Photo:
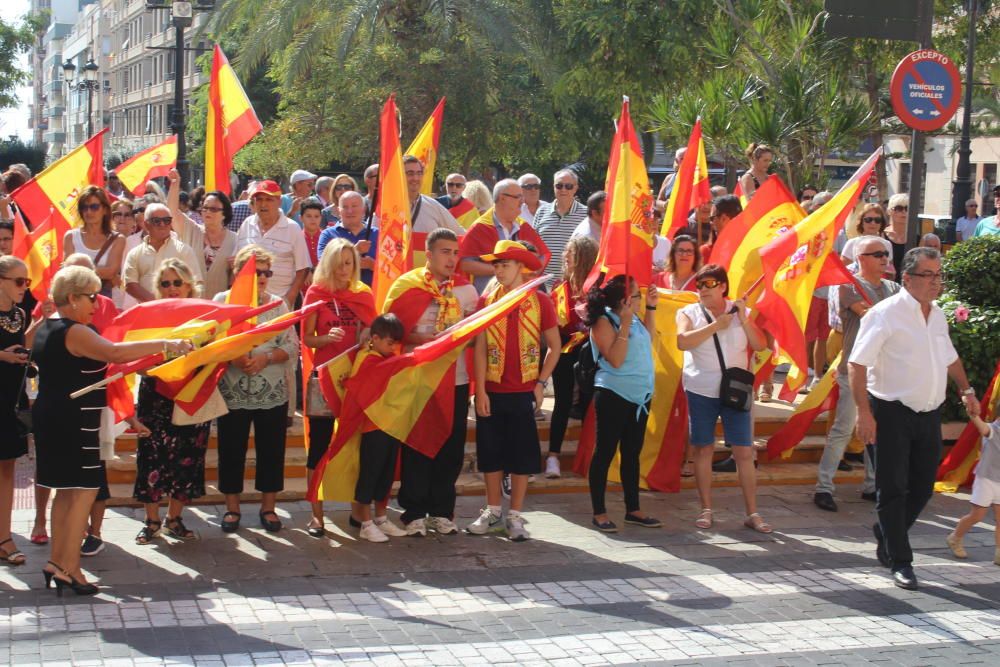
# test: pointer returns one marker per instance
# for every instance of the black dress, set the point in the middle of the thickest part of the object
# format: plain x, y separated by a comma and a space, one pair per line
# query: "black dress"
66, 429
13, 444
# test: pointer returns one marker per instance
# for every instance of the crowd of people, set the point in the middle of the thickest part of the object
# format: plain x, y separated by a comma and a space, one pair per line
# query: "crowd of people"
318, 243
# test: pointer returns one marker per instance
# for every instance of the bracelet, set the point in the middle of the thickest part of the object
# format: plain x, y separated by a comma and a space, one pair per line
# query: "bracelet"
650, 307
625, 338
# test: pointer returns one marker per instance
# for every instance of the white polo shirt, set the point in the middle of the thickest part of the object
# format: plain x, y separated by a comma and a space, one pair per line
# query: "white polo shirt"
143, 261
430, 215
907, 356
286, 242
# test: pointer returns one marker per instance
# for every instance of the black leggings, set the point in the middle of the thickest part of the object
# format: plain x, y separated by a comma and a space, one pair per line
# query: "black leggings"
269, 428
562, 382
617, 421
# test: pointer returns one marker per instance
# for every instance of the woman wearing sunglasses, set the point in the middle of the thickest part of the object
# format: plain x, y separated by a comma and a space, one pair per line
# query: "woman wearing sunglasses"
341, 183
899, 210
97, 239
715, 320
872, 221
170, 461
256, 394
70, 356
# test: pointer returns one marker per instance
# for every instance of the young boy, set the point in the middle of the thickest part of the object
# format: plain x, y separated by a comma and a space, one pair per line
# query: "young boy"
311, 214
379, 450
985, 490
510, 376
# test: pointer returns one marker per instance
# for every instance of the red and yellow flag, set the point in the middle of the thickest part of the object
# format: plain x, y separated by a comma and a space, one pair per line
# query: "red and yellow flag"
691, 184
465, 212
425, 146
155, 161
956, 468
820, 399
40, 249
231, 122
393, 257
60, 184
627, 232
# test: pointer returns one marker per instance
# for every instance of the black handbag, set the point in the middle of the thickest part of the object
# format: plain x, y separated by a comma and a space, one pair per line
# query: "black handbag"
736, 389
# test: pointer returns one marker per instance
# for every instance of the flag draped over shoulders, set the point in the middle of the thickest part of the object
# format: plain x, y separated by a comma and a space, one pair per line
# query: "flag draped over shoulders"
482, 238
411, 295
464, 212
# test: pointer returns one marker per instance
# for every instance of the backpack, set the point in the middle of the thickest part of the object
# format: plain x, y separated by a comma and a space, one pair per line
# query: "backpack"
585, 368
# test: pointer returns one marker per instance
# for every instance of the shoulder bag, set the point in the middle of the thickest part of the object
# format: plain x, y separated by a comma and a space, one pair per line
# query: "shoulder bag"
736, 389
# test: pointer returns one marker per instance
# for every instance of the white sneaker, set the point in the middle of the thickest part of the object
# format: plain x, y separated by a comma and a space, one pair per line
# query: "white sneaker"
372, 533
552, 468
442, 525
487, 522
389, 528
417, 527
515, 529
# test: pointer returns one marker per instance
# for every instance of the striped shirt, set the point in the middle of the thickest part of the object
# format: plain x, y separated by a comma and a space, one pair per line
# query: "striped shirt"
556, 230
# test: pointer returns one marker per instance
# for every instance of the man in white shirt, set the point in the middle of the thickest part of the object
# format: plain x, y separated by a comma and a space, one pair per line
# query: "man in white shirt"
965, 227
143, 261
531, 186
898, 371
269, 228
595, 214
426, 213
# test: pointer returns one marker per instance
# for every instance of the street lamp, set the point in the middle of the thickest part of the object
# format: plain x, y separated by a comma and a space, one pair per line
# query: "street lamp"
89, 83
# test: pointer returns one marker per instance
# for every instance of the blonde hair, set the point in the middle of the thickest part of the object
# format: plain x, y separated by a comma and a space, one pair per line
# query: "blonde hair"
183, 272
253, 251
10, 262
477, 192
79, 259
585, 251
755, 150
900, 199
72, 280
333, 259
334, 197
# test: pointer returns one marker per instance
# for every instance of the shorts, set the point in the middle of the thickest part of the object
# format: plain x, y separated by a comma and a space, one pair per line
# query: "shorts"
377, 460
818, 320
507, 440
704, 412
985, 492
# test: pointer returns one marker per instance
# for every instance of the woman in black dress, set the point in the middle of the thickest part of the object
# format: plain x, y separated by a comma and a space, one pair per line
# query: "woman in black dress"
71, 355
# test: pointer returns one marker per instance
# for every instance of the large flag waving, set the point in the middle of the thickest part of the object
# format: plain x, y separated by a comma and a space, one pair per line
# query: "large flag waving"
393, 257
60, 184
691, 184
627, 232
425, 146
956, 468
232, 122
155, 161
41, 249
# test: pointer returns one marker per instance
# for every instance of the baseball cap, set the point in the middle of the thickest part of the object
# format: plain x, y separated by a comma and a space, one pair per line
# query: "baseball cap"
302, 175
269, 188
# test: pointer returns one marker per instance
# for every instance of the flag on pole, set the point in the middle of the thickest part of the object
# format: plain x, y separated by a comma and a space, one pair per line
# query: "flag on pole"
425, 146
151, 163
627, 232
691, 184
821, 398
231, 122
956, 468
40, 249
59, 186
393, 257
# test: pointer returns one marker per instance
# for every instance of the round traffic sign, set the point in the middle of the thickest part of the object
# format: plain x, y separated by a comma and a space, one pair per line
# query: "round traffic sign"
925, 90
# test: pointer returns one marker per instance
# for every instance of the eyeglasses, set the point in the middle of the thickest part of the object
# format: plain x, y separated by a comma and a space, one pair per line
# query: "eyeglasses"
565, 186
507, 194
531, 186
878, 254
138, 211
20, 282
92, 297
929, 275
684, 251
869, 218
158, 222
343, 186
211, 209
91, 207
455, 185
709, 283
900, 209
266, 273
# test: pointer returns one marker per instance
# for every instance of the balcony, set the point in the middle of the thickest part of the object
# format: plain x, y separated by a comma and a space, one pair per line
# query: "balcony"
54, 137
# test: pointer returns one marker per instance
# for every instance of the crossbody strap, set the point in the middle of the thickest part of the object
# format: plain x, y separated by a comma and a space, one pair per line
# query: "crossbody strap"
715, 337
104, 248
613, 326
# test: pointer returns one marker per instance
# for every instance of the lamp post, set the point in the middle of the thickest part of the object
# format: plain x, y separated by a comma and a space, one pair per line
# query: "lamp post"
88, 83
962, 186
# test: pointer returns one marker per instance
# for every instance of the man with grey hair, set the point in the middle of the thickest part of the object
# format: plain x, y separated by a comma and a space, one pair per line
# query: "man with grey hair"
531, 187
965, 227
323, 186
501, 223
555, 222
143, 261
931, 240
353, 228
899, 369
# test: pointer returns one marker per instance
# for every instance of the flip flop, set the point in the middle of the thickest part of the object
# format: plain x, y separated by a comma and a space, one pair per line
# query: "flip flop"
40, 538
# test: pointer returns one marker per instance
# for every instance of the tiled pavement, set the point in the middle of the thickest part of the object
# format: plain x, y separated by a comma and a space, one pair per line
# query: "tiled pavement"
812, 593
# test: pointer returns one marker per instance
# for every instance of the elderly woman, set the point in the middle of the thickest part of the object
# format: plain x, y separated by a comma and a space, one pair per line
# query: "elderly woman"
170, 460
623, 350
480, 195
717, 333
683, 262
899, 209
329, 331
872, 221
213, 243
256, 393
97, 239
341, 183
70, 356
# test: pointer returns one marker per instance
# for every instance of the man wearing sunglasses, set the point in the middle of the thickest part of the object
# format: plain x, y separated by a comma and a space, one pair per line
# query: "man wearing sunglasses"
531, 187
143, 261
463, 210
556, 222
873, 260
965, 227
899, 369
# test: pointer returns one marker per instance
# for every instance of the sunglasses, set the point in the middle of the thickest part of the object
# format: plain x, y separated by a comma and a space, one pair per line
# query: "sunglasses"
900, 208
210, 209
709, 283
176, 282
868, 218
138, 211
878, 254
531, 186
158, 222
455, 185
91, 207
92, 297
343, 186
266, 273
20, 282
565, 186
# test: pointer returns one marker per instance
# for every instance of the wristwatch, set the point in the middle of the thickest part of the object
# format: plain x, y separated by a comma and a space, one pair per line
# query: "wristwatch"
968, 391
544, 383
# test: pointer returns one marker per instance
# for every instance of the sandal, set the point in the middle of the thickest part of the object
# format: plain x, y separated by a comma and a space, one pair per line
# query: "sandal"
175, 528
687, 470
766, 391
14, 557
230, 525
39, 538
149, 531
704, 520
315, 528
270, 525
756, 522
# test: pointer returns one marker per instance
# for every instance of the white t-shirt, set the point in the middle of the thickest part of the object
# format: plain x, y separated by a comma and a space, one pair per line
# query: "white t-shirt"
702, 372
966, 227
432, 215
288, 245
468, 298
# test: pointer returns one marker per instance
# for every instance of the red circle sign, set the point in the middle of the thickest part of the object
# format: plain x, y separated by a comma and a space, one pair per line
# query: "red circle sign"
925, 90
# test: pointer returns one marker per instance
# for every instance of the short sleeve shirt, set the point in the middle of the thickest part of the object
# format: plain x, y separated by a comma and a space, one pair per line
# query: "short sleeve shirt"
510, 380
285, 241
702, 372
143, 261
989, 455
556, 230
848, 295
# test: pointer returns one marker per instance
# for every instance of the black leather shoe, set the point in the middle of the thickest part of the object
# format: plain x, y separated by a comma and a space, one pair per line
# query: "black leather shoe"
880, 551
725, 465
825, 501
844, 466
904, 578
854, 458
870, 497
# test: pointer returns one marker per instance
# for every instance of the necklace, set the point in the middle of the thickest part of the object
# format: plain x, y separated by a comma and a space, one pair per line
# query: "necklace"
12, 321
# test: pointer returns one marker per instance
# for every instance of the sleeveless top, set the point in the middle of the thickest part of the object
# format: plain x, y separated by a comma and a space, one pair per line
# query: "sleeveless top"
633, 380
79, 246
60, 373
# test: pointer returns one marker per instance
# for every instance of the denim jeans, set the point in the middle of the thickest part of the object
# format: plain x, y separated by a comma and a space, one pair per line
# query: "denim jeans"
837, 440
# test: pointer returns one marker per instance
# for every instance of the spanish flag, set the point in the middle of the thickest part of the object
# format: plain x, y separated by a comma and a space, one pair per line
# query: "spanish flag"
562, 299
691, 184
465, 212
60, 184
393, 257
332, 376
231, 122
956, 468
821, 398
151, 163
425, 146
628, 234
40, 249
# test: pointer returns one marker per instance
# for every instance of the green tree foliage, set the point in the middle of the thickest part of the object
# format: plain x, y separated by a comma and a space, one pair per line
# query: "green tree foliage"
17, 151
15, 39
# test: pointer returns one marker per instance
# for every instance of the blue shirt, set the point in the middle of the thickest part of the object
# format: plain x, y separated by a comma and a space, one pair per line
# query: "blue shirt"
338, 231
633, 380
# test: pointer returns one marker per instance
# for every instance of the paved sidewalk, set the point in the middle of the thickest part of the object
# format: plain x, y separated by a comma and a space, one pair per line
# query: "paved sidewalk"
812, 593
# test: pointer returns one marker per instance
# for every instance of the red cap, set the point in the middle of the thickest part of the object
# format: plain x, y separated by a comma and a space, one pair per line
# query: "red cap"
269, 188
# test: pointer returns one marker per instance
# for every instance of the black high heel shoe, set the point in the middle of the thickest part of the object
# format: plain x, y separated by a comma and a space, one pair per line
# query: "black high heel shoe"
77, 587
48, 575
